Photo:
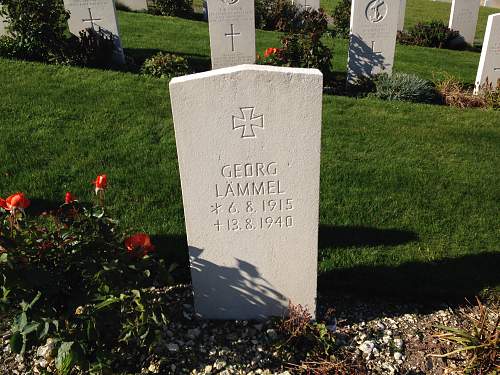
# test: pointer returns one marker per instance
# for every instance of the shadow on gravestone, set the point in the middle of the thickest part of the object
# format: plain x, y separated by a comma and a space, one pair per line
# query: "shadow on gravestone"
242, 287
367, 57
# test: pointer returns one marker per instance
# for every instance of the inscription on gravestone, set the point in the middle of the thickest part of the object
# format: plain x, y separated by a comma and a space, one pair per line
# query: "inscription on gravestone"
232, 32
249, 166
98, 15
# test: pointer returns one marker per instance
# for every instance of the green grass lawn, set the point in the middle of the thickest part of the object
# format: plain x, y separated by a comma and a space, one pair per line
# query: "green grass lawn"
409, 193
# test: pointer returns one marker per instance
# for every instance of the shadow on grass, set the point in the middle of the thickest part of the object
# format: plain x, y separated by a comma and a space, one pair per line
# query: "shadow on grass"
357, 236
448, 280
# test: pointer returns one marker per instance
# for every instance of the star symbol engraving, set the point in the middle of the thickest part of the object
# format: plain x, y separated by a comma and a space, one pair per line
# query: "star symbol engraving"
248, 122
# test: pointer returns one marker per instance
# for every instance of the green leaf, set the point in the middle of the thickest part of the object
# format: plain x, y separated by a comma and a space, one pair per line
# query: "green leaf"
106, 303
32, 327
16, 342
68, 355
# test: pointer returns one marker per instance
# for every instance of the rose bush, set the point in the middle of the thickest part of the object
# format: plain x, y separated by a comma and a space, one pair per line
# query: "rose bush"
72, 275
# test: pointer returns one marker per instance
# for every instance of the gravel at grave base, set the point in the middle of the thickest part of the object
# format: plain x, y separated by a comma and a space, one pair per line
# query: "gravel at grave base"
386, 339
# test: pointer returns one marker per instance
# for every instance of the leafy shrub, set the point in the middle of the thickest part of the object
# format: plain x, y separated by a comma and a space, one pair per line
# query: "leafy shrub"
280, 15
87, 290
165, 65
406, 87
36, 28
37, 31
454, 93
435, 34
341, 19
179, 8
302, 46
96, 48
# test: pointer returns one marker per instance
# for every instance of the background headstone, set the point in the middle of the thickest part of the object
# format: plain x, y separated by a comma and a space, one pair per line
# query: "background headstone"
373, 37
402, 13
205, 10
134, 5
463, 18
97, 15
307, 4
248, 144
489, 63
492, 3
232, 32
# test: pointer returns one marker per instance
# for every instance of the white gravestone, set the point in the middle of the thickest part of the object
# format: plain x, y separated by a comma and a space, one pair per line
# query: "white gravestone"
96, 15
489, 63
134, 5
248, 142
307, 4
372, 38
463, 18
492, 3
402, 13
232, 32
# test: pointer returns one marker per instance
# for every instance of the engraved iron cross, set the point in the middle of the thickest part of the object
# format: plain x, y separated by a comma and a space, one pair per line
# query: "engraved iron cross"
248, 122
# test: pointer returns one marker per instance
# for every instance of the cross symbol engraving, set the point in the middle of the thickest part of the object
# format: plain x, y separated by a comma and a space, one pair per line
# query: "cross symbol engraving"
373, 48
306, 6
218, 225
232, 35
91, 19
248, 122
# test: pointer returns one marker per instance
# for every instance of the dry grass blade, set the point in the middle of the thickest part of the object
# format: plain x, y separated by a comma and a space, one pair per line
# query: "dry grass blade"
478, 343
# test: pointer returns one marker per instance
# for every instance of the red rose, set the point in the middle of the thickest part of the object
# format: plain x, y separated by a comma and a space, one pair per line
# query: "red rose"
139, 244
101, 182
69, 198
16, 201
270, 51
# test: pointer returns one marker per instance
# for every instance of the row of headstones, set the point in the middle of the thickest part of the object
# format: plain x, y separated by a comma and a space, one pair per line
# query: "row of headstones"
374, 26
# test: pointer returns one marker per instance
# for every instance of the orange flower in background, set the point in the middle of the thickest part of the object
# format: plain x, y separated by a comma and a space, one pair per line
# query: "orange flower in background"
16, 201
139, 244
69, 198
101, 182
270, 51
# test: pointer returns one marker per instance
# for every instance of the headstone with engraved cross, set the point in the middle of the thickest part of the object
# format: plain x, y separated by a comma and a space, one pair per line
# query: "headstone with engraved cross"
248, 144
307, 4
489, 63
232, 32
372, 38
98, 15
463, 18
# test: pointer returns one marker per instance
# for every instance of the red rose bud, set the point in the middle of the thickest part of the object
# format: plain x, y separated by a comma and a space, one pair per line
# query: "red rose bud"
139, 244
100, 182
69, 198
